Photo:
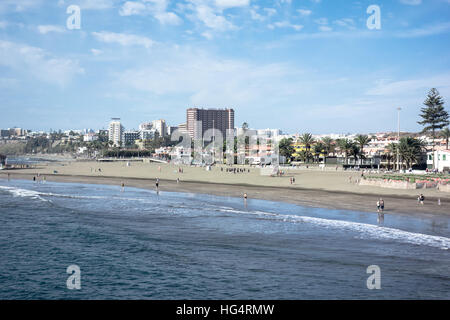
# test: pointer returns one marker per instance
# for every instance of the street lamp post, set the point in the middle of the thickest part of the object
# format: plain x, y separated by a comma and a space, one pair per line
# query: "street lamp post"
398, 136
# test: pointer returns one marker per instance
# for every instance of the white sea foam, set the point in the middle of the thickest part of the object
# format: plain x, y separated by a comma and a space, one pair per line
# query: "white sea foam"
24, 193
363, 229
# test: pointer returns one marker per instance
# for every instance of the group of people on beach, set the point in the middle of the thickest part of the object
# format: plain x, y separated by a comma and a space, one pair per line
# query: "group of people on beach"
292, 180
236, 170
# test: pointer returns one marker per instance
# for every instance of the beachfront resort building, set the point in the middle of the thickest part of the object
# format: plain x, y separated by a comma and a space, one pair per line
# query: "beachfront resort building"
129, 137
115, 131
198, 121
158, 126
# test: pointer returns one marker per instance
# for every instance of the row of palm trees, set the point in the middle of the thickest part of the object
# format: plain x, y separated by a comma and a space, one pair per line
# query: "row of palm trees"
410, 149
326, 146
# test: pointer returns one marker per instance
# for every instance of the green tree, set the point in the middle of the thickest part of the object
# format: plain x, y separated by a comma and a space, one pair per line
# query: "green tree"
410, 150
285, 148
328, 144
446, 135
318, 149
391, 152
434, 115
346, 147
307, 140
362, 141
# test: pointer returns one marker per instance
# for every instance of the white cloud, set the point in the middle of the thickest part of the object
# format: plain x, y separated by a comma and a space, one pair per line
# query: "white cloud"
325, 29
123, 39
89, 4
304, 12
424, 31
208, 80
38, 63
321, 21
285, 24
44, 29
411, 2
225, 4
96, 52
345, 22
130, 8
211, 19
168, 18
207, 35
270, 11
156, 8
385, 87
19, 5
95, 4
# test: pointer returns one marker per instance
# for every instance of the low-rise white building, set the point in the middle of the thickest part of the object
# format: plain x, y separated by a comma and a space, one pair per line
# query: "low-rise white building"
441, 159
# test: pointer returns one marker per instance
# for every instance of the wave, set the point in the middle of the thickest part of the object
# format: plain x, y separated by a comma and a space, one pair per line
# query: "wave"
24, 193
365, 230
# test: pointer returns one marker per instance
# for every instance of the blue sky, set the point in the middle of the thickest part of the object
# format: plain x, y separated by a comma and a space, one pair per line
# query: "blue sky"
298, 65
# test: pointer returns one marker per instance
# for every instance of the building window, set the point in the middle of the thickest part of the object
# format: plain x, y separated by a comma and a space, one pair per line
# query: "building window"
444, 157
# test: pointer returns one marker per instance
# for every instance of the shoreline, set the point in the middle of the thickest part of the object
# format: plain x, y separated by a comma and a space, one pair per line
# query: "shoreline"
308, 197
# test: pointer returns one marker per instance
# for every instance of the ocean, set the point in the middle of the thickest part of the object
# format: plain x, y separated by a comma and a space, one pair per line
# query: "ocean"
140, 244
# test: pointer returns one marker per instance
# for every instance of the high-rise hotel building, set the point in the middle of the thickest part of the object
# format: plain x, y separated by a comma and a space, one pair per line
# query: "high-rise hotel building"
221, 119
115, 131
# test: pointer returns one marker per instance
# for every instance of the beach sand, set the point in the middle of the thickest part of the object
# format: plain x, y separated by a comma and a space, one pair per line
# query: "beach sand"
325, 189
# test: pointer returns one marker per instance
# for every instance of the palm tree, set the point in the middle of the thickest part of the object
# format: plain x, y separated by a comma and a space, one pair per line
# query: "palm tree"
410, 150
307, 140
355, 151
392, 150
328, 145
446, 135
318, 149
362, 141
346, 146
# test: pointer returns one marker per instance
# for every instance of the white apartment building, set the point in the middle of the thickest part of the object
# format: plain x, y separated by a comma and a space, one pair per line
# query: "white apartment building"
160, 126
442, 160
115, 131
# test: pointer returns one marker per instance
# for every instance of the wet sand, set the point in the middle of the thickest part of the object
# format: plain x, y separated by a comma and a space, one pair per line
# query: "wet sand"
327, 189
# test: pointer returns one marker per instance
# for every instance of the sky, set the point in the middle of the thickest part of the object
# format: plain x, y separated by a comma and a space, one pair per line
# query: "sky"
297, 65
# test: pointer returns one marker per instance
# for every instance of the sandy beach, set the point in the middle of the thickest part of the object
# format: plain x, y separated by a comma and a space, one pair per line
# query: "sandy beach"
326, 189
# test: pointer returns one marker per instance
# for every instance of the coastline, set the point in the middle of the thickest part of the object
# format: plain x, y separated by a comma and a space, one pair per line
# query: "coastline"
309, 197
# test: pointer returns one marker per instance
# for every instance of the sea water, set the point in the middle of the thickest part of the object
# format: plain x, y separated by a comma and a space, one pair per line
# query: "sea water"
143, 244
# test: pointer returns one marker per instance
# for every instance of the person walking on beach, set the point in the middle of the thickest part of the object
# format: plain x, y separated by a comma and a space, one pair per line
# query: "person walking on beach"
378, 206
178, 180
123, 186
420, 199
381, 204
9, 176
157, 183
